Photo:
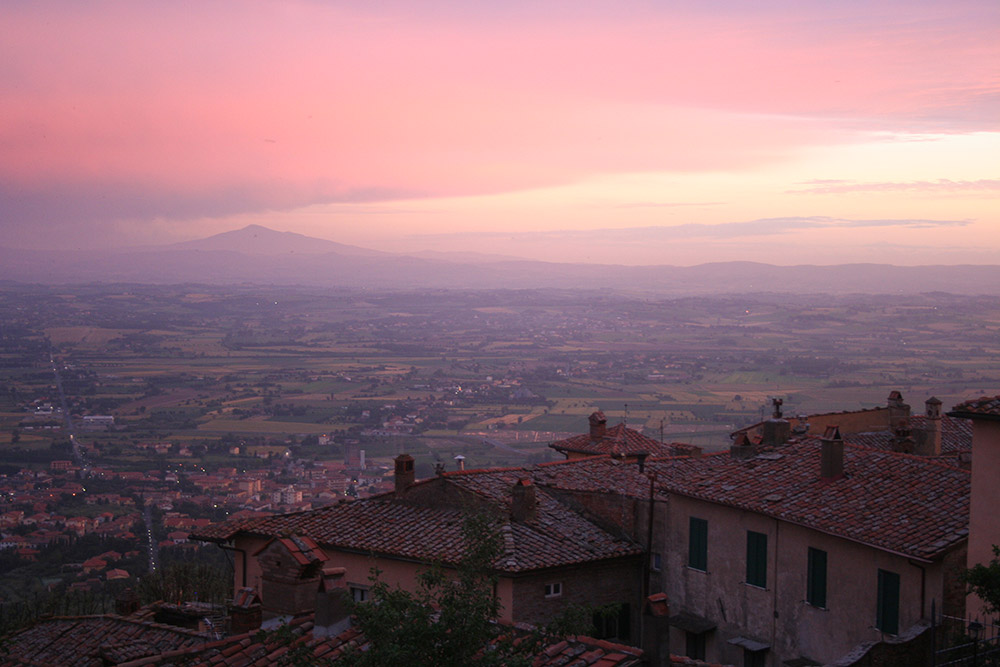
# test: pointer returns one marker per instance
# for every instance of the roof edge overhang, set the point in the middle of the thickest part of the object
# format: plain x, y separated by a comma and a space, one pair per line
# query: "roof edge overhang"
922, 559
963, 414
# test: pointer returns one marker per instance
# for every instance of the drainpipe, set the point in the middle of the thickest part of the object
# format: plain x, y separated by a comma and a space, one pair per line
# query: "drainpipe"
243, 554
923, 585
774, 604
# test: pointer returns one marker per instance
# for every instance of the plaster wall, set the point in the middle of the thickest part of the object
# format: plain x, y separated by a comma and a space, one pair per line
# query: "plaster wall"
778, 614
984, 520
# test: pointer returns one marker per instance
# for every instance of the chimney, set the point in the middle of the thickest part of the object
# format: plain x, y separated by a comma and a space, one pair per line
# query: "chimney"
460, 460
899, 414
930, 439
640, 457
404, 475
598, 425
742, 449
831, 465
523, 506
333, 611
245, 612
127, 602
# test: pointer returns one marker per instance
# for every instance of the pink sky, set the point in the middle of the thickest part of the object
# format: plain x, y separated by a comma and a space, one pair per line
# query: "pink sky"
620, 132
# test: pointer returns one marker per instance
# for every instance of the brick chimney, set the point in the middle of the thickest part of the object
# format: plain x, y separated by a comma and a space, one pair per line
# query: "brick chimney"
831, 466
742, 448
127, 602
524, 505
598, 425
929, 443
405, 474
899, 414
245, 612
290, 572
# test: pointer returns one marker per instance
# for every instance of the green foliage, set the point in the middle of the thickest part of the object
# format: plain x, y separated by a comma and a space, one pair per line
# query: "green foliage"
984, 581
449, 621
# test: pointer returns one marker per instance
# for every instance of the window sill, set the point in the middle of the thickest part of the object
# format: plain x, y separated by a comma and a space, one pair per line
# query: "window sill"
694, 569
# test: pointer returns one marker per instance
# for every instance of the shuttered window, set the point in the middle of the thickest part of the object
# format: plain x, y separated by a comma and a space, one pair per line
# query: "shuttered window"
816, 578
887, 613
698, 544
756, 559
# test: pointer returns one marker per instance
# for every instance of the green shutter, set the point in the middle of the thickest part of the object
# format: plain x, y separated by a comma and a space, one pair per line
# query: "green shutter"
887, 613
757, 559
816, 578
698, 544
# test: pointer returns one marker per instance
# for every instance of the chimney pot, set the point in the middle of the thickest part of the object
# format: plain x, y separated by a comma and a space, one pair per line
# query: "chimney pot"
524, 505
598, 425
640, 457
404, 473
832, 454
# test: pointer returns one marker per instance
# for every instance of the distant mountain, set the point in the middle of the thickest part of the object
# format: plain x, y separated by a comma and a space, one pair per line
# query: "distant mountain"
258, 240
259, 255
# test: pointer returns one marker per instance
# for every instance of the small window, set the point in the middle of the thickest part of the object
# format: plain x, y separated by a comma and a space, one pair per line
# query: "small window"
754, 658
887, 610
816, 578
756, 559
698, 544
656, 562
359, 593
553, 590
612, 622
694, 645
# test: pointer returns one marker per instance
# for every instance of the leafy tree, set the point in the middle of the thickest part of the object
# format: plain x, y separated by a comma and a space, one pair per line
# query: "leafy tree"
984, 581
449, 621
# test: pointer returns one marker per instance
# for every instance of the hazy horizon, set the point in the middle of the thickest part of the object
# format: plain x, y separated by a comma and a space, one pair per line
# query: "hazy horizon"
812, 133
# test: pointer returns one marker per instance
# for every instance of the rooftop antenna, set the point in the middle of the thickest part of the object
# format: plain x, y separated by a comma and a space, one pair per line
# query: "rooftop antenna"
625, 421
661, 430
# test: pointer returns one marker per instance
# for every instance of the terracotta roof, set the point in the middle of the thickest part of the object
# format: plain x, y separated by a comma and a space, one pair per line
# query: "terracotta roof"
899, 502
956, 435
256, 649
918, 506
619, 440
94, 641
987, 407
555, 536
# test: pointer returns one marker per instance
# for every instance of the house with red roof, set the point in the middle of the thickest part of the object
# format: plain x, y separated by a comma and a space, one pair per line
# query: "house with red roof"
553, 556
618, 441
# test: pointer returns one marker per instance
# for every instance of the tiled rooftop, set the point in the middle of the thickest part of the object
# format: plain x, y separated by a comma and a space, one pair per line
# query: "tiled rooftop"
619, 440
254, 649
908, 504
985, 406
555, 536
94, 641
956, 435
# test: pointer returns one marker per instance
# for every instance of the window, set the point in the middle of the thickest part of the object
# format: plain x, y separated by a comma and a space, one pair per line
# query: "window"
754, 658
756, 559
359, 593
887, 611
694, 645
816, 578
698, 544
612, 622
553, 590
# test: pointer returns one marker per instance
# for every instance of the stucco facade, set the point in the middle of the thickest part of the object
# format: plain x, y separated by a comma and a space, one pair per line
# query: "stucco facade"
777, 614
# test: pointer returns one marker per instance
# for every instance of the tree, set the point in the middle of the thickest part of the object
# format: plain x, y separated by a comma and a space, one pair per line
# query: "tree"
449, 621
984, 581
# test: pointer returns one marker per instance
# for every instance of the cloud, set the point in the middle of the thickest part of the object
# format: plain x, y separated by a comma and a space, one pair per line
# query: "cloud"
942, 185
727, 230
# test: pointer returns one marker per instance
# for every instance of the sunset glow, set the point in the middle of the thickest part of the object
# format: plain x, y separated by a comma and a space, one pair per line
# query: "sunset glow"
680, 133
